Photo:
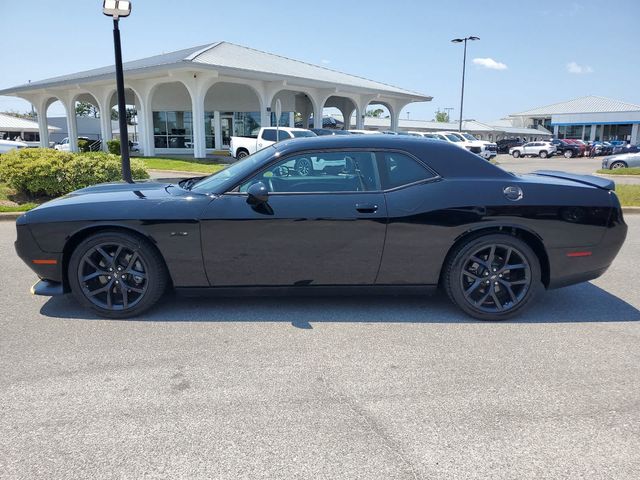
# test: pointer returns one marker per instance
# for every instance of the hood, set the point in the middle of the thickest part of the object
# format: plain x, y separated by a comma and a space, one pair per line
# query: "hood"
119, 187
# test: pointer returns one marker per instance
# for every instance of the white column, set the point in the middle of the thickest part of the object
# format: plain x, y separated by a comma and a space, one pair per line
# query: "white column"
317, 114
395, 118
555, 131
72, 125
592, 136
265, 117
346, 117
217, 129
43, 127
199, 139
634, 133
105, 125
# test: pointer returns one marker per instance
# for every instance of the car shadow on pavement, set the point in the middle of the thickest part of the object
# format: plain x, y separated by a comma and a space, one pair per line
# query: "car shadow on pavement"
580, 303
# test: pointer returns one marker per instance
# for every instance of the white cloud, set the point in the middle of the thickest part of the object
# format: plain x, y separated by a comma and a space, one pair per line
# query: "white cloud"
489, 63
573, 67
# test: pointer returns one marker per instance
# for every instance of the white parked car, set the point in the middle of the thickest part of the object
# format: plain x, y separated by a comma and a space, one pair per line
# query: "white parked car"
241, 147
8, 145
364, 132
486, 150
64, 146
533, 149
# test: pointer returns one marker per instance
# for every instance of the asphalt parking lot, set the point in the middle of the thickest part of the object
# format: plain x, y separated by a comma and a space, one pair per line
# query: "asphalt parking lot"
335, 388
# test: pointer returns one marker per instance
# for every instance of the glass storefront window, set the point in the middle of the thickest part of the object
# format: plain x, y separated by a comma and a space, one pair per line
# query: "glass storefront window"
210, 129
246, 124
616, 132
173, 129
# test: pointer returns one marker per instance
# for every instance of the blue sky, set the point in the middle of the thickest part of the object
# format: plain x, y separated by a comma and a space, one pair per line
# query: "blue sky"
541, 52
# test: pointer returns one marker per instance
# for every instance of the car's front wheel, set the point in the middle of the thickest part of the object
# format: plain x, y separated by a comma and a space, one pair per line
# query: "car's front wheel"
516, 153
117, 274
492, 277
617, 165
544, 154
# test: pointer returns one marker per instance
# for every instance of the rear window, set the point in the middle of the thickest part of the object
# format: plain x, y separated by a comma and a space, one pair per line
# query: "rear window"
400, 169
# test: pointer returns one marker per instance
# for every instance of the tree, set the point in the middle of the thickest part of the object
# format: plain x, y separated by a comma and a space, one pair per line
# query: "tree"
377, 113
131, 114
27, 115
442, 116
85, 109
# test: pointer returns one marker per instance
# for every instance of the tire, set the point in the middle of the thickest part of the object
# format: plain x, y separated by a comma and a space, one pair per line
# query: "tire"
568, 153
617, 165
465, 279
516, 153
304, 167
240, 154
543, 154
112, 262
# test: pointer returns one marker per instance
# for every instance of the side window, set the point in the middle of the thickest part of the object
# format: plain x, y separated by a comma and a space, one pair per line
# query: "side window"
401, 170
269, 134
314, 172
282, 135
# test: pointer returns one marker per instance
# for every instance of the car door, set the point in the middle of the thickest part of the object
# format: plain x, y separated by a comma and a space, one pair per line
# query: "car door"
326, 228
529, 149
414, 245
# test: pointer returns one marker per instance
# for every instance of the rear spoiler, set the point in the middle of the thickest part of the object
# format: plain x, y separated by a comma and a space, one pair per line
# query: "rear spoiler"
592, 180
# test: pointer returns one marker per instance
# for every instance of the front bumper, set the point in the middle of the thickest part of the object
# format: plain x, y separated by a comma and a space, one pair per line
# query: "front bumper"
46, 265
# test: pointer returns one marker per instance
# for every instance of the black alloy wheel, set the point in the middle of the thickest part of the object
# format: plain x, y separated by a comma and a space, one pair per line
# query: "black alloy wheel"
116, 274
304, 167
493, 277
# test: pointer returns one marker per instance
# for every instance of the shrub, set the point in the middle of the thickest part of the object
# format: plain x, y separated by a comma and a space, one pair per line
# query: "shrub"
48, 172
84, 145
114, 146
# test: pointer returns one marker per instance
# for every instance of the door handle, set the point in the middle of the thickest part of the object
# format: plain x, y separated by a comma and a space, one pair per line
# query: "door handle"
366, 207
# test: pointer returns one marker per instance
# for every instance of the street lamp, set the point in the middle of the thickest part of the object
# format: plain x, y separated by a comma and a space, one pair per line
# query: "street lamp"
464, 64
117, 9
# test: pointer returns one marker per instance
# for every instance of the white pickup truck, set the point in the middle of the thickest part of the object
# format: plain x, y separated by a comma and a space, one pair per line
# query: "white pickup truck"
486, 150
241, 147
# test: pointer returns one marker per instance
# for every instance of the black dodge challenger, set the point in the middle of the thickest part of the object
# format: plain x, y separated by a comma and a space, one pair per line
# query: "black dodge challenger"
335, 213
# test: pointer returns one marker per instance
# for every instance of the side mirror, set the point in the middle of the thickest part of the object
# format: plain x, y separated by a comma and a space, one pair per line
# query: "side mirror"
258, 194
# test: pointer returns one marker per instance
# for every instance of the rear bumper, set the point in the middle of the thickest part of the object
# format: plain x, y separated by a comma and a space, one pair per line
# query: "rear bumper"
566, 269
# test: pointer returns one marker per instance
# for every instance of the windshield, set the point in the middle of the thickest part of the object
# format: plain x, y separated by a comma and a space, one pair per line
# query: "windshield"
452, 137
237, 171
303, 133
469, 137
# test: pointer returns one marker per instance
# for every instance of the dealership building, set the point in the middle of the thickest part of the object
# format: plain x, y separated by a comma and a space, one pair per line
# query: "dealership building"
585, 118
192, 101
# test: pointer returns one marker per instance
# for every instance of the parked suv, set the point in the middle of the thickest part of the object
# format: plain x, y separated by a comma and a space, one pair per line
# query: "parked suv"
566, 149
533, 149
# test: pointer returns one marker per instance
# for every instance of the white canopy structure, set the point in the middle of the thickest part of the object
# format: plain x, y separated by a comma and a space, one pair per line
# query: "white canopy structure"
193, 100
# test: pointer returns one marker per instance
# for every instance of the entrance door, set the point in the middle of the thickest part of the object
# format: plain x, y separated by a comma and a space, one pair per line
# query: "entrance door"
321, 225
227, 129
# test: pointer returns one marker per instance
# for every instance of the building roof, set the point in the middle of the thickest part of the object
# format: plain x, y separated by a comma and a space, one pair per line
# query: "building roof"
467, 126
9, 123
227, 58
588, 104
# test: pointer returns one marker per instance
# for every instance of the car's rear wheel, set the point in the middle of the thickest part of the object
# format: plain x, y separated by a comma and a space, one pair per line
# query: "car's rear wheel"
516, 153
304, 167
117, 274
492, 277
544, 154
568, 153
617, 165
242, 154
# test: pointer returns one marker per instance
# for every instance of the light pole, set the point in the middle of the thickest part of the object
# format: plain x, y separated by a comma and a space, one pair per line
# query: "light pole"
117, 9
464, 65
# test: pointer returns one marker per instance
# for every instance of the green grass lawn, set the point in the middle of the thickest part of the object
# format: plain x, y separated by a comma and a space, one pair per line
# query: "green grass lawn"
183, 165
629, 195
7, 195
621, 171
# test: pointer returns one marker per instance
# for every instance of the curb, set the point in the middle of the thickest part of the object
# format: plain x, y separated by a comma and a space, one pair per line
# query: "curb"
6, 216
613, 177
